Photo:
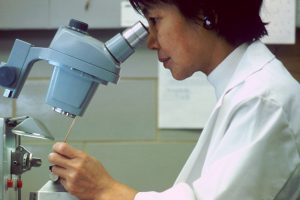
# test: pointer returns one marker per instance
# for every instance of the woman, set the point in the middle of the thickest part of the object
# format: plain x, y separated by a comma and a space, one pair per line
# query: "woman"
249, 148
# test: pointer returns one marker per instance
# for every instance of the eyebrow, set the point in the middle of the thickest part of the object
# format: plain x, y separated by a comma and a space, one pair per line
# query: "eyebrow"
145, 10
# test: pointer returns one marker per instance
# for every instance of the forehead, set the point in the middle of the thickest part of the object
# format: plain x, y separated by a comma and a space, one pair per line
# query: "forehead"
144, 7
157, 8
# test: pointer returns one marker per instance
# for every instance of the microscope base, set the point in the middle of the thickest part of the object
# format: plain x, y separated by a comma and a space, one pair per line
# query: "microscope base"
51, 191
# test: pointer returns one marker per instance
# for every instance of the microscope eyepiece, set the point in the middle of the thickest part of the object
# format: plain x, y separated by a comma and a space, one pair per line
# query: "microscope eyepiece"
122, 45
135, 34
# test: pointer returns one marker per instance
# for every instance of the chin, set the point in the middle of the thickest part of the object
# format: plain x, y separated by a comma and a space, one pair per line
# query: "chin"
180, 76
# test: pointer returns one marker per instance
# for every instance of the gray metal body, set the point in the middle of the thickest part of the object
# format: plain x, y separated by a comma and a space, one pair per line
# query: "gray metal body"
14, 158
7, 144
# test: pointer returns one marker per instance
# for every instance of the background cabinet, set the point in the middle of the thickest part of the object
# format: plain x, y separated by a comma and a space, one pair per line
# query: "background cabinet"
99, 14
50, 14
20, 14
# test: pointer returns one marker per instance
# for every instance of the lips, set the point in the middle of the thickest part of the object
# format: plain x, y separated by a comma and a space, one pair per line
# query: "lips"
165, 61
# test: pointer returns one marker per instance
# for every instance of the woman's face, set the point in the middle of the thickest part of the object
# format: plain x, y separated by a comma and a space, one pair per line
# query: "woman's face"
183, 46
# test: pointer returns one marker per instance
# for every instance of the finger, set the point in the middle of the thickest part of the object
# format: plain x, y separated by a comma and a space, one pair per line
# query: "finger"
59, 160
59, 171
65, 149
63, 182
71, 188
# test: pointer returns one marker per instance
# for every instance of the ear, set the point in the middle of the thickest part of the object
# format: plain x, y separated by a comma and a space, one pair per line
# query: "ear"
208, 23
209, 20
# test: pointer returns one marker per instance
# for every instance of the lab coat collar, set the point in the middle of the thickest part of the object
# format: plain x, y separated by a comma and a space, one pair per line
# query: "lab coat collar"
222, 74
255, 58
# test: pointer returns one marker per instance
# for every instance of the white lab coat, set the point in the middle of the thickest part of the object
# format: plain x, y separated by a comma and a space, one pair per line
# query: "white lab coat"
249, 148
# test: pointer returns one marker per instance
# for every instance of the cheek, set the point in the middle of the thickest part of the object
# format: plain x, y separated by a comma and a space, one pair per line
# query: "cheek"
185, 54
183, 47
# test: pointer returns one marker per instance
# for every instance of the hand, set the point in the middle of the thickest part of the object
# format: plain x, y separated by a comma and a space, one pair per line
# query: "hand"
85, 177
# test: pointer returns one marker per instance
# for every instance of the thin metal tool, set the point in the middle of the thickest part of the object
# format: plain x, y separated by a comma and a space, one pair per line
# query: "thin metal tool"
52, 176
69, 131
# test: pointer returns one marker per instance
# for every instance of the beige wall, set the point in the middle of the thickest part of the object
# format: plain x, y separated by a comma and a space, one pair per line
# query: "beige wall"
290, 55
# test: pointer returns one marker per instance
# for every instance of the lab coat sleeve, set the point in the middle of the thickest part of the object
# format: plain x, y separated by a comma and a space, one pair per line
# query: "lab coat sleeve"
251, 161
254, 158
179, 191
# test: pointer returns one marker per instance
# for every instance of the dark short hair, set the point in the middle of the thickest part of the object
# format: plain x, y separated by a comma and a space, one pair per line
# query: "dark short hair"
238, 21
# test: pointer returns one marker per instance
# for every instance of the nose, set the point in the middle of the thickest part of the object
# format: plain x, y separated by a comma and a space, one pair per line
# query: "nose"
152, 42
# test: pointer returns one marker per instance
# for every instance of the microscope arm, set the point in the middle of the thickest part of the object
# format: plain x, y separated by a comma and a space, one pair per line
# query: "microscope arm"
15, 71
24, 55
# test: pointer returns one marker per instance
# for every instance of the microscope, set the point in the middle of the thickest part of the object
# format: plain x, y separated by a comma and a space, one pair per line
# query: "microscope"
81, 63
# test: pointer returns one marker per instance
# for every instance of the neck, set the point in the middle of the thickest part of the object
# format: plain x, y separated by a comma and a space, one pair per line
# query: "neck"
221, 51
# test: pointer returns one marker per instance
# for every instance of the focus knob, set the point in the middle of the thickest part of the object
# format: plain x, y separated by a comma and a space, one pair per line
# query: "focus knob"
36, 162
78, 26
8, 76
